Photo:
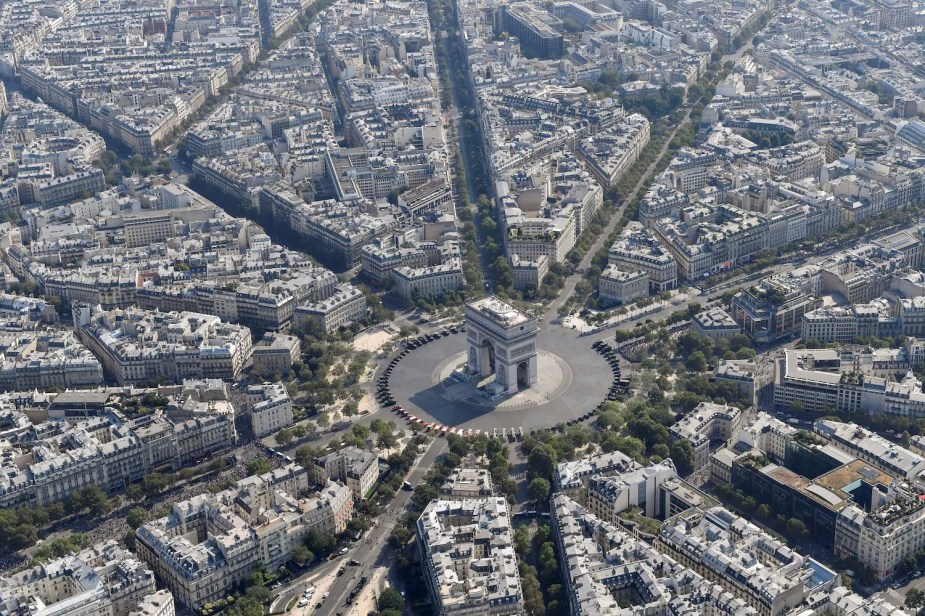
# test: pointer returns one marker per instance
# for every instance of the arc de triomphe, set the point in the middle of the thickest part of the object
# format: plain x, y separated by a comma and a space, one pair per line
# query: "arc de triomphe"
502, 340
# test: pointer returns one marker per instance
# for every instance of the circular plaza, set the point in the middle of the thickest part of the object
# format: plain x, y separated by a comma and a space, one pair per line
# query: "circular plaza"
503, 370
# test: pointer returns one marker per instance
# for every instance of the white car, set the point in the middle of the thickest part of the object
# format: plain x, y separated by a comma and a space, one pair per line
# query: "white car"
303, 602
325, 596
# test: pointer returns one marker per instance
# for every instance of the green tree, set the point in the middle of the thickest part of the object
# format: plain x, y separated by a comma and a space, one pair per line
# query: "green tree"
399, 537
284, 437
609, 419
542, 461
379, 426
305, 455
153, 484
538, 490
360, 431
259, 466
246, 606
259, 575
796, 528
502, 272
522, 542
386, 440
16, 532
647, 430
682, 454
390, 599
914, 598
423, 495
631, 446
258, 593
696, 362
134, 492
96, 500
301, 555
407, 330
136, 517
320, 543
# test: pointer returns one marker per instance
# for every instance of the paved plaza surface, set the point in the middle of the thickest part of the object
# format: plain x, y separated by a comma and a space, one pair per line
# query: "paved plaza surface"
573, 379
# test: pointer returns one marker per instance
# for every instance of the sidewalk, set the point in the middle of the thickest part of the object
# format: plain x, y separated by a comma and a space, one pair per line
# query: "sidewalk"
677, 301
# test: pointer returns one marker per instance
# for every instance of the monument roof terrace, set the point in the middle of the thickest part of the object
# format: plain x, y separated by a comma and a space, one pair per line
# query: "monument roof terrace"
500, 312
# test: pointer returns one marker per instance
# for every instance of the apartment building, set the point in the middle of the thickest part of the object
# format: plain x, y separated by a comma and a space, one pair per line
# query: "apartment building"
636, 249
159, 603
62, 189
616, 286
466, 483
275, 353
138, 346
96, 446
572, 478
216, 135
533, 27
270, 407
768, 434
708, 422
46, 359
101, 579
706, 240
603, 565
847, 504
147, 228
795, 162
769, 576
381, 257
688, 170
529, 274
871, 448
428, 282
469, 540
609, 496
430, 196
822, 380
714, 323
346, 306
532, 238
772, 309
332, 230
610, 153
846, 323
355, 467
743, 374
210, 543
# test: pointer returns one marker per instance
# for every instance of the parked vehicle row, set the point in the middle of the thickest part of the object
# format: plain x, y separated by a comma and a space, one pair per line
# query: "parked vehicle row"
383, 392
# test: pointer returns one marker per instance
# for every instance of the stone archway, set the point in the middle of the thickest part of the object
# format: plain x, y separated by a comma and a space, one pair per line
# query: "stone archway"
523, 375
500, 338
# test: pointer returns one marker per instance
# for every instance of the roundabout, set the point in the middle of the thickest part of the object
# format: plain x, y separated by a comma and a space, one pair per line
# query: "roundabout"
452, 380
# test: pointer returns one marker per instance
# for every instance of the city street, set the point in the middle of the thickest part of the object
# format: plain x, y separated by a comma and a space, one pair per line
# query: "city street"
371, 552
